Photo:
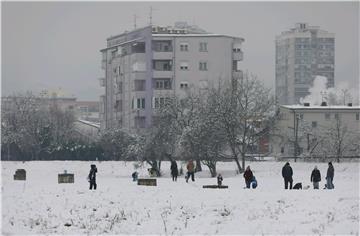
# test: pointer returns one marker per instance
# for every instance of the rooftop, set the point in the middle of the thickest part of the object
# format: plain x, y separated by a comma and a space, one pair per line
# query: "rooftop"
318, 107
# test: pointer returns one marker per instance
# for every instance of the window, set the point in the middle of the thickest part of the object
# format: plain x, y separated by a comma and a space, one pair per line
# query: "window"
282, 150
327, 116
183, 85
119, 86
162, 45
236, 49
140, 121
184, 47
203, 47
139, 85
140, 103
113, 54
236, 65
337, 116
161, 102
138, 47
314, 124
357, 116
162, 65
184, 66
160, 84
202, 66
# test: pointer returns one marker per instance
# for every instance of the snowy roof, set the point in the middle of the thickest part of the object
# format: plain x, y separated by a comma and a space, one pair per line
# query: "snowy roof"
318, 107
195, 35
93, 124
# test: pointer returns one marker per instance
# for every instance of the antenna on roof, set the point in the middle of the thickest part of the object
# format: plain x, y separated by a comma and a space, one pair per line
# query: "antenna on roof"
135, 17
150, 15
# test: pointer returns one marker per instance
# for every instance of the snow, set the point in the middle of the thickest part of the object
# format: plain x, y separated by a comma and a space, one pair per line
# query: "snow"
40, 205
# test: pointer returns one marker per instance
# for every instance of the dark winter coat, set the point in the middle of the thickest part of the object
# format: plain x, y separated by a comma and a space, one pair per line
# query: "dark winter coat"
287, 172
174, 169
248, 175
92, 174
315, 176
330, 172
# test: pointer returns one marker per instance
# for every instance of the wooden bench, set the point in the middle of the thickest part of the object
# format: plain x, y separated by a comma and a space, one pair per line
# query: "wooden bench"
215, 186
147, 182
65, 178
20, 174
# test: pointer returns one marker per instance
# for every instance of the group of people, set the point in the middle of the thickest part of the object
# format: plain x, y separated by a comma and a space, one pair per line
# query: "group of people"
315, 177
250, 180
190, 171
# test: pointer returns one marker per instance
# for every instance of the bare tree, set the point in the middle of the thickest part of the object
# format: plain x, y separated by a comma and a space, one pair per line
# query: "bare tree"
247, 111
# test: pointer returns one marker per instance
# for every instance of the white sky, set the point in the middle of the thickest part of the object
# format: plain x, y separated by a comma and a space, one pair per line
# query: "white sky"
47, 45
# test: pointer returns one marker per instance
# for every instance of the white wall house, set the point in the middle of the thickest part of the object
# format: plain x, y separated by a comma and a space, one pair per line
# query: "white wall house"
317, 130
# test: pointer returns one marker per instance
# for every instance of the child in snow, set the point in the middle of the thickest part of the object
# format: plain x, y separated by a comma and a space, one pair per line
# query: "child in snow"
219, 180
92, 176
135, 176
253, 182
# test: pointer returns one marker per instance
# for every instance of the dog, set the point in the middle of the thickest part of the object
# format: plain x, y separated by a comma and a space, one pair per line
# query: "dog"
297, 186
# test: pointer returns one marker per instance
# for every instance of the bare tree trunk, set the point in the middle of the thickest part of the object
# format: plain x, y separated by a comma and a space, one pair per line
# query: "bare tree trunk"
243, 160
198, 167
238, 164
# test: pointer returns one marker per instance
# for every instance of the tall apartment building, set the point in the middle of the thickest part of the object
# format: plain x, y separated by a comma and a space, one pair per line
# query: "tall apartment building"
302, 53
146, 66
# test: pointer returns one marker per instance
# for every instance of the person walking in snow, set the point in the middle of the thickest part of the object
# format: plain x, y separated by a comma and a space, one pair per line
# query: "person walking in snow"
174, 170
287, 174
92, 176
315, 177
190, 171
248, 176
330, 176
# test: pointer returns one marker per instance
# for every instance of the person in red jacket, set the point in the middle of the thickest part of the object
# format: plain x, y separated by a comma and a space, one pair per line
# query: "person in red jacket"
248, 176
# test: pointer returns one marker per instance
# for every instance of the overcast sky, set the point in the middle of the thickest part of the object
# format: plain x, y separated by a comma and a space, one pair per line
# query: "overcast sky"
47, 45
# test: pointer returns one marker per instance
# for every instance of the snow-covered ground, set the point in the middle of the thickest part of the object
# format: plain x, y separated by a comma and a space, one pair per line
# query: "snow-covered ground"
40, 205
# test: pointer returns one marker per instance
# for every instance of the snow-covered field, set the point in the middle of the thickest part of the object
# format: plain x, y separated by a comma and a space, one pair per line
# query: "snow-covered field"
40, 205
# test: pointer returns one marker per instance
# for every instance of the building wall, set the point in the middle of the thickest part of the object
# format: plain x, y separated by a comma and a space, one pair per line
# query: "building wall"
122, 70
301, 55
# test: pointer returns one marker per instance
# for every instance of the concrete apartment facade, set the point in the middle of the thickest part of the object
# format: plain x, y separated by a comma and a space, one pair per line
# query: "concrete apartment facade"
311, 123
146, 66
302, 53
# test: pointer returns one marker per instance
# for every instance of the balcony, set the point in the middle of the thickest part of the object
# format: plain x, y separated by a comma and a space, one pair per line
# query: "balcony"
103, 64
102, 82
162, 55
162, 74
238, 55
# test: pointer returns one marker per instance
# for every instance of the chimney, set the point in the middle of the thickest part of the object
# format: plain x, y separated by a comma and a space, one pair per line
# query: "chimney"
323, 104
349, 104
306, 104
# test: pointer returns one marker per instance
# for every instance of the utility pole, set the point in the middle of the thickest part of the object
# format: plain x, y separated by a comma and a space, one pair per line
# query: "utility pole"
151, 15
296, 128
135, 17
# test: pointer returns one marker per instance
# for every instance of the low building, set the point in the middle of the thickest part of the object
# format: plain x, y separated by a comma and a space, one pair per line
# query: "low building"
316, 131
